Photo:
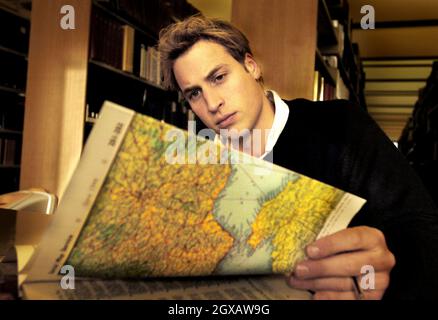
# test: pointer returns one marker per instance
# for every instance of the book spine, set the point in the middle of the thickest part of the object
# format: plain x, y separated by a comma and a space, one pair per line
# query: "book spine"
128, 49
321, 89
315, 85
143, 61
158, 63
9, 152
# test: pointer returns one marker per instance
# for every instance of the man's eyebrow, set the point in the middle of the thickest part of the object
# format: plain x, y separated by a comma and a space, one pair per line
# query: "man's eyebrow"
213, 72
207, 78
187, 90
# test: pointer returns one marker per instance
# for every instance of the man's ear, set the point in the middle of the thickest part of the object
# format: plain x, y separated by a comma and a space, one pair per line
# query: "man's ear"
251, 66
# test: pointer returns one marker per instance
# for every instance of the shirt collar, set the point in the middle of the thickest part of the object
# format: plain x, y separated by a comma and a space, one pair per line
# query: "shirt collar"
280, 119
281, 115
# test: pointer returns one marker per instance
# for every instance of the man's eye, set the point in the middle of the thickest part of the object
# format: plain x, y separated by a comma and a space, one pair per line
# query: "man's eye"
219, 78
194, 94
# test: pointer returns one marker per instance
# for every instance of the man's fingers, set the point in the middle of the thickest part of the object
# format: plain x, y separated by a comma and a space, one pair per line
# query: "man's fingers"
350, 239
342, 265
381, 282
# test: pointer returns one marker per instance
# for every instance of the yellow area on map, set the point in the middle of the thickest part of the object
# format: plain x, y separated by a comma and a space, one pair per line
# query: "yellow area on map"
152, 218
293, 219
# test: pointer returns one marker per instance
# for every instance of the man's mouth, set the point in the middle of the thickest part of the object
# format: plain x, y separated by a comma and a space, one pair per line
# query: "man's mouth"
226, 120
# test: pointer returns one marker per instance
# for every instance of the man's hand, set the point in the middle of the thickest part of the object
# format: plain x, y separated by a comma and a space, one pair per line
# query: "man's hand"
335, 259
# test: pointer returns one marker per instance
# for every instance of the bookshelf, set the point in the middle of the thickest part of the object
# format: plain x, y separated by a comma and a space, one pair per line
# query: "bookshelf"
326, 33
344, 55
14, 38
124, 64
72, 72
326, 71
129, 75
309, 42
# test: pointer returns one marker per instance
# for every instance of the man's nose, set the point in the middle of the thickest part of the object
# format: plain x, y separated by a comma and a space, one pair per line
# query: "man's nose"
213, 100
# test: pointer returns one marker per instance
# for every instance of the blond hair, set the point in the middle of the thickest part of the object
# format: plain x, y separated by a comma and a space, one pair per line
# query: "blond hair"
179, 37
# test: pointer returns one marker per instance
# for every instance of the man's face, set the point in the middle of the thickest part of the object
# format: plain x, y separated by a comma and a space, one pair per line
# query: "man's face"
218, 88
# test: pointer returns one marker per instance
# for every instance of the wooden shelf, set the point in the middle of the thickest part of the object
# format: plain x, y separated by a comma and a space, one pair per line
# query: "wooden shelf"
12, 90
125, 74
9, 167
14, 52
10, 132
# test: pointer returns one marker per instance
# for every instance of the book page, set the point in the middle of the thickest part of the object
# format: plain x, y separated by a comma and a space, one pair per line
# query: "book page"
223, 288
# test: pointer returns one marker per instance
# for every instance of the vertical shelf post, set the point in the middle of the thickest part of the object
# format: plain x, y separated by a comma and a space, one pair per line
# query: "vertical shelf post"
283, 35
55, 95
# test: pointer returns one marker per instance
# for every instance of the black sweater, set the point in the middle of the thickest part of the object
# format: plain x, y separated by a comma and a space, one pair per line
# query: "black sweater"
339, 144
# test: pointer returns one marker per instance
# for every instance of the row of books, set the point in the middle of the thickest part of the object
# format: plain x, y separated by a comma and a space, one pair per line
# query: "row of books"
322, 90
8, 152
107, 39
150, 65
345, 54
174, 113
115, 44
332, 61
145, 13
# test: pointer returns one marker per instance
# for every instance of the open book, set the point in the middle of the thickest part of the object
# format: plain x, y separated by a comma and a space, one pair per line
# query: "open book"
148, 208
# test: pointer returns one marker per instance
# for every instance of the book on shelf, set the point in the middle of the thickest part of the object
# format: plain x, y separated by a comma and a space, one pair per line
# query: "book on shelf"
143, 61
107, 40
153, 203
128, 48
134, 9
322, 89
9, 152
115, 44
150, 65
340, 91
315, 85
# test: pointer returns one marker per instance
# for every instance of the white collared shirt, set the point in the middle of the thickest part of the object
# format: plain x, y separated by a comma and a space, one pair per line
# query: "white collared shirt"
281, 114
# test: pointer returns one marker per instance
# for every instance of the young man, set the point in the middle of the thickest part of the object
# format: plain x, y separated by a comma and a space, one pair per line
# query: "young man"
335, 142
